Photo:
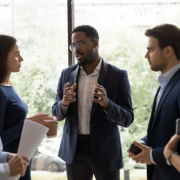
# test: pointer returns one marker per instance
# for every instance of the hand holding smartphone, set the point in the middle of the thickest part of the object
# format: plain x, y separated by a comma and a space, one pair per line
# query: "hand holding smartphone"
134, 149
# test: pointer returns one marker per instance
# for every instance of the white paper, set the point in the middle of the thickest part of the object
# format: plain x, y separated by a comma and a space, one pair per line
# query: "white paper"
32, 135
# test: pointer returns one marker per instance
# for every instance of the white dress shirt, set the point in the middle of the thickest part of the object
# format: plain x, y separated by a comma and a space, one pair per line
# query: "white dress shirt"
4, 167
85, 95
163, 80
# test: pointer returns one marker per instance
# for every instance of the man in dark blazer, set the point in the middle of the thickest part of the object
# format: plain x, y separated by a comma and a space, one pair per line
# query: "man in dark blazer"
163, 54
94, 98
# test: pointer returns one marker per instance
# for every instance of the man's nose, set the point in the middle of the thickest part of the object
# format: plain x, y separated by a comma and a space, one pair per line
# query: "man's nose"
146, 55
75, 49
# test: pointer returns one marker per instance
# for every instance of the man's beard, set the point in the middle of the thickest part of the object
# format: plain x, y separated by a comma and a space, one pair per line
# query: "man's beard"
158, 68
83, 63
86, 59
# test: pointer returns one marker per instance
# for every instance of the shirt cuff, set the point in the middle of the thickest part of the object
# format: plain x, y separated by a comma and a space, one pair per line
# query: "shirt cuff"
64, 109
151, 158
4, 171
105, 111
3, 157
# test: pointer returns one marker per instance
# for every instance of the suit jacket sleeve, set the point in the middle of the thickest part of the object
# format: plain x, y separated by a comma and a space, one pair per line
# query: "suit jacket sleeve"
145, 139
56, 109
121, 111
158, 156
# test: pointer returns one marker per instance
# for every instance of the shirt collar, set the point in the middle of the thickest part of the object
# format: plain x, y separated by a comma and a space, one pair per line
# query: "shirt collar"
168, 75
96, 70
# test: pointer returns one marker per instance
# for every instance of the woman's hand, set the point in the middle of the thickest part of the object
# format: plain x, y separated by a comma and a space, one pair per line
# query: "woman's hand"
40, 117
18, 165
171, 146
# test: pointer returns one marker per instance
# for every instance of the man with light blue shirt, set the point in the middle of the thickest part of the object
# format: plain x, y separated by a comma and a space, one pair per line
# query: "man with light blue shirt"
11, 164
163, 54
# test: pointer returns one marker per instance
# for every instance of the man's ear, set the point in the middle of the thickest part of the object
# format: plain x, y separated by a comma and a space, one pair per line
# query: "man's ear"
96, 43
169, 51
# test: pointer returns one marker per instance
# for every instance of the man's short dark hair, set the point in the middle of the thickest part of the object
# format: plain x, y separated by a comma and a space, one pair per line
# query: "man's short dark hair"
167, 35
89, 31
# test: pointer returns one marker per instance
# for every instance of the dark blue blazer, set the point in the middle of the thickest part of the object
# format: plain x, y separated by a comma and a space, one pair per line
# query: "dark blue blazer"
161, 128
104, 132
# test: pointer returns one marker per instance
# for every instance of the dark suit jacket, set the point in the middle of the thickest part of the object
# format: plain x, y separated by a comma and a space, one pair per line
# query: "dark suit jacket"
161, 128
104, 133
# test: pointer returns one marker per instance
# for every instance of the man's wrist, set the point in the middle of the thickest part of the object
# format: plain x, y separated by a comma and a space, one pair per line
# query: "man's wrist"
9, 156
106, 107
63, 105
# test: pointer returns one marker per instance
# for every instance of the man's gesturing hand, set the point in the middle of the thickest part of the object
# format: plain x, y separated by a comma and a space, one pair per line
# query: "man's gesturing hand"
144, 156
69, 94
102, 96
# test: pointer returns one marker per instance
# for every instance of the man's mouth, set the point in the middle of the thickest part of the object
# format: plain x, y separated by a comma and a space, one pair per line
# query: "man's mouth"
79, 56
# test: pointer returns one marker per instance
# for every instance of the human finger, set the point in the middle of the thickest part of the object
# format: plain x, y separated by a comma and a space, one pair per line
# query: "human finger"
48, 118
141, 146
98, 95
43, 115
130, 154
54, 117
99, 89
46, 123
95, 83
97, 100
26, 159
69, 95
99, 86
66, 85
69, 98
67, 89
73, 87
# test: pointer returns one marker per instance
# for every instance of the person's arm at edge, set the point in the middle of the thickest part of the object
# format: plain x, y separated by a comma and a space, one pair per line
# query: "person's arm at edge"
4, 171
4, 167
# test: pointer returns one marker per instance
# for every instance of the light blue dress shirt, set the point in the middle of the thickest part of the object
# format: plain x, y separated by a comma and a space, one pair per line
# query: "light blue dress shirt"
163, 80
4, 167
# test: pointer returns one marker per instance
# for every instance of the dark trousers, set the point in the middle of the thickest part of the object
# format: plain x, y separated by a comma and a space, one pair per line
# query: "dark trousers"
83, 166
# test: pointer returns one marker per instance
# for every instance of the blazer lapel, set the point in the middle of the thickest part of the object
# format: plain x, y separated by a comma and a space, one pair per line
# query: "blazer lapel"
75, 80
153, 111
101, 80
168, 88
